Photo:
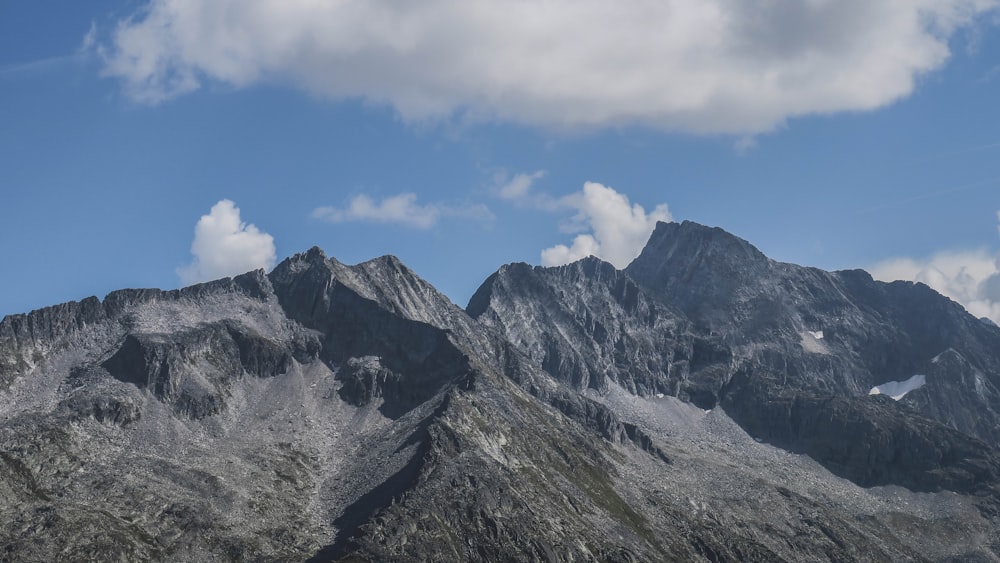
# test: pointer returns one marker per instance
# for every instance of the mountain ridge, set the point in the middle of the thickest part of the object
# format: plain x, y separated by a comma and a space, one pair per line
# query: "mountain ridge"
699, 404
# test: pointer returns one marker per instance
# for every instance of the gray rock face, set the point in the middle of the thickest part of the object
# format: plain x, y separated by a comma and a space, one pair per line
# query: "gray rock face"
872, 333
588, 323
769, 314
360, 315
790, 352
687, 408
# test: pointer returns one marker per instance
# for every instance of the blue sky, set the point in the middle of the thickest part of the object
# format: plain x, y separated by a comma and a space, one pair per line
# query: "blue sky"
462, 136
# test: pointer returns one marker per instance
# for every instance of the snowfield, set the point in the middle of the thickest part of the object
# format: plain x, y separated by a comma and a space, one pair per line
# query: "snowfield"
898, 389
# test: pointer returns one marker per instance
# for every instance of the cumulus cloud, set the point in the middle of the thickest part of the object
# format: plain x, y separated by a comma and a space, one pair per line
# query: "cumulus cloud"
704, 66
617, 229
401, 209
226, 246
971, 278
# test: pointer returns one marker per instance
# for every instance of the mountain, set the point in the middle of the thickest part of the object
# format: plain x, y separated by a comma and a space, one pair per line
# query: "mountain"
705, 403
791, 353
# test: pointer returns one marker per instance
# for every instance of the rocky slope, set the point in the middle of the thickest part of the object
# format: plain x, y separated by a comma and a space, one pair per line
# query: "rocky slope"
789, 352
704, 404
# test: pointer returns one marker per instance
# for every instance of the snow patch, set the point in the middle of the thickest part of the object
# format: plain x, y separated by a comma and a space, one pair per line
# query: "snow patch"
898, 389
812, 341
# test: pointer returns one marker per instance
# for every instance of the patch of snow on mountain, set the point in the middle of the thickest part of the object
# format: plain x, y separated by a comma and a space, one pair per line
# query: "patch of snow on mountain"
812, 341
898, 389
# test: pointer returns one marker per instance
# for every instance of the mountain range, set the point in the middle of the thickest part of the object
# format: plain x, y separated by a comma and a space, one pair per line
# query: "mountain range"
705, 403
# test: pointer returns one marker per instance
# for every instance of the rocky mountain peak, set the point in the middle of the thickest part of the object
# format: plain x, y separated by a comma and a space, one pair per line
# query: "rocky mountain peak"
520, 276
705, 271
315, 254
686, 248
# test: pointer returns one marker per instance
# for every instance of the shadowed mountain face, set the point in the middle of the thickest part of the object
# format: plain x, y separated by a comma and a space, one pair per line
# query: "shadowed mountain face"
705, 403
838, 333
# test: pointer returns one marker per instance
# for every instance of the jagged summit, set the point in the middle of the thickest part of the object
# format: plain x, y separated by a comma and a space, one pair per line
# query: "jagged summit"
314, 254
523, 275
689, 246
701, 268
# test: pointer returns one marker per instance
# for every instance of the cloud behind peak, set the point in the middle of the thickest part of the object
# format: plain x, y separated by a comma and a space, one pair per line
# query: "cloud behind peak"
226, 246
610, 226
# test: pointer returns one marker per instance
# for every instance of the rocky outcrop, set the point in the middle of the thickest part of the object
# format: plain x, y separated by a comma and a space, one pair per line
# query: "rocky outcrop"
586, 323
416, 359
193, 370
25, 338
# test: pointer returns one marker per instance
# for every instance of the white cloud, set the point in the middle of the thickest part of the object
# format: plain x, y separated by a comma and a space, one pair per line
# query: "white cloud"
401, 209
618, 229
971, 278
703, 66
89, 41
226, 246
54, 64
520, 191
520, 185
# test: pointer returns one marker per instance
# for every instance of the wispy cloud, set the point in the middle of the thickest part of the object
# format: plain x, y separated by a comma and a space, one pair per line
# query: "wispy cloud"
89, 41
980, 184
50, 64
39, 65
401, 209
990, 75
613, 228
971, 277
704, 66
744, 145
226, 246
519, 186
520, 190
